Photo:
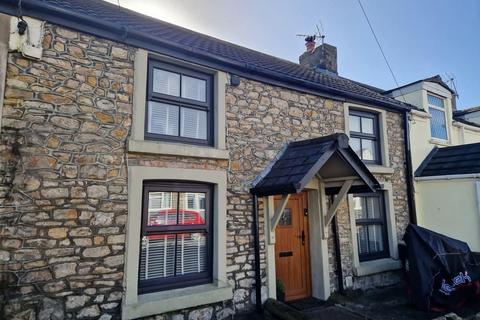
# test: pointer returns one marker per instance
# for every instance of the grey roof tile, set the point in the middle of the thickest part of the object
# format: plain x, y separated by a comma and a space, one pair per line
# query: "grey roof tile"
85, 11
463, 159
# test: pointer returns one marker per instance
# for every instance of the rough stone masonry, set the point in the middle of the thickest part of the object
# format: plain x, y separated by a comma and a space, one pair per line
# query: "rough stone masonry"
63, 170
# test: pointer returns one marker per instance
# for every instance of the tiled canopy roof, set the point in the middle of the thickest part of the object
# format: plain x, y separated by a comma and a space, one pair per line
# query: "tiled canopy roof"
463, 159
300, 161
120, 24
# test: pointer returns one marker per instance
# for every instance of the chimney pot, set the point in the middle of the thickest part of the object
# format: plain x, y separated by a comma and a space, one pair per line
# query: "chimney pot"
310, 45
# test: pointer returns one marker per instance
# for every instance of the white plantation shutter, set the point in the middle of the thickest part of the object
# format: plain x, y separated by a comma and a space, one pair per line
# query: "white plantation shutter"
157, 257
194, 124
166, 82
191, 253
162, 118
193, 88
158, 254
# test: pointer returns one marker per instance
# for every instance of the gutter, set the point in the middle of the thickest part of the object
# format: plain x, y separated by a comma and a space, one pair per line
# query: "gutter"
116, 32
449, 177
412, 213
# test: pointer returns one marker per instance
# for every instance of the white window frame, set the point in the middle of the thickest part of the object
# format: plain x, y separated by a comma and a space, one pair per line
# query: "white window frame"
384, 167
380, 265
137, 143
444, 110
136, 305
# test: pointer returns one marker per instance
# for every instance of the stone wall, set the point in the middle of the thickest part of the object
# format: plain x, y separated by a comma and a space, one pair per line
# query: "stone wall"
63, 164
262, 118
64, 199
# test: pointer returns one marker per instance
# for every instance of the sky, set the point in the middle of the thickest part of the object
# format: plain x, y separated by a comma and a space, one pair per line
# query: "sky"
420, 38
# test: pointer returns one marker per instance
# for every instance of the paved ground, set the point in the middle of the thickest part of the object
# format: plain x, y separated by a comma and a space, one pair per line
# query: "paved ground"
379, 304
391, 304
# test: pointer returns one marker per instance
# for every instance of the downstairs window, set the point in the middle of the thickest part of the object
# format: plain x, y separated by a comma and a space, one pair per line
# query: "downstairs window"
176, 238
371, 226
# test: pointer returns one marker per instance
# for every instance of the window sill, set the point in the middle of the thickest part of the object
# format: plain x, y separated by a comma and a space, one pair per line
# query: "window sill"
176, 149
439, 142
380, 169
165, 301
376, 266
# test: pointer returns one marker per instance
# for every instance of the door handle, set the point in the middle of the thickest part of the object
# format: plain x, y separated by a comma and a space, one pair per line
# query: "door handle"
303, 237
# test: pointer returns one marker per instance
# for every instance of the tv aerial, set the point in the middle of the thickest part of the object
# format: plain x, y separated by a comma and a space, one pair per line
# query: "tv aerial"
316, 35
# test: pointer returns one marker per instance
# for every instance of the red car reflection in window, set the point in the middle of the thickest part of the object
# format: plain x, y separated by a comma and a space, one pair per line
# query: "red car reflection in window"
169, 217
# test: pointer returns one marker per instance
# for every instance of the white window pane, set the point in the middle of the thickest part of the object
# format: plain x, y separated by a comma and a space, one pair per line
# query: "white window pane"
191, 253
435, 101
355, 145
166, 82
191, 208
354, 123
368, 149
194, 124
438, 125
373, 205
367, 125
193, 88
375, 237
362, 239
359, 208
162, 118
162, 208
157, 256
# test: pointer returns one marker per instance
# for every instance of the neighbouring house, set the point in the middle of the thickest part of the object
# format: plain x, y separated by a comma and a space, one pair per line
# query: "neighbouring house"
469, 115
445, 156
151, 170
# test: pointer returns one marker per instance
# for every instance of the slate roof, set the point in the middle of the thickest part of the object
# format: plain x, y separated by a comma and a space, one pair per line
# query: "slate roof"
112, 22
435, 79
298, 163
466, 111
463, 159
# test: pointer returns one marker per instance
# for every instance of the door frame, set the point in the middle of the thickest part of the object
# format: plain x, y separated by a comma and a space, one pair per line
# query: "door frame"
319, 262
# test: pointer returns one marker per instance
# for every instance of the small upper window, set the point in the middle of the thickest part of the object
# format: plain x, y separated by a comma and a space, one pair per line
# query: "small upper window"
179, 106
438, 123
364, 136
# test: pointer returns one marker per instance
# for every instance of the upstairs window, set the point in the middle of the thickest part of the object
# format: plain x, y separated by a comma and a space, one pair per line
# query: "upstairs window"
438, 122
371, 226
176, 242
364, 135
179, 106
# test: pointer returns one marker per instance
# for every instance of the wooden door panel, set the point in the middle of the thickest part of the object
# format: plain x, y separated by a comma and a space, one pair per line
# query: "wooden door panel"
292, 255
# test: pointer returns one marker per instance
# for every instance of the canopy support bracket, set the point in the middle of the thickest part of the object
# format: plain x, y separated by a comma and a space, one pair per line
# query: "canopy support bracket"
279, 211
338, 199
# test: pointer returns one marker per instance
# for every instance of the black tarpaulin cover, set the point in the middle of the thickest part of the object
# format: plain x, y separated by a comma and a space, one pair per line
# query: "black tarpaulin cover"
442, 272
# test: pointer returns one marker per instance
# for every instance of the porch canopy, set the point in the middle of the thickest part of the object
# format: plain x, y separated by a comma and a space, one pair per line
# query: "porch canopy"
328, 159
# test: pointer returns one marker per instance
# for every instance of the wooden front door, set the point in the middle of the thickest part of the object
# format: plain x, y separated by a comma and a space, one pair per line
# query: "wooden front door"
292, 253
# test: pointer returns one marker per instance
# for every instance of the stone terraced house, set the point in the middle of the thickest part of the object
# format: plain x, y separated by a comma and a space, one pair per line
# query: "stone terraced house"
147, 169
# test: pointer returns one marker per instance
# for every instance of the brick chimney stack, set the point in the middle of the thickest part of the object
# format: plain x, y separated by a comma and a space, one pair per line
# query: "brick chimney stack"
322, 58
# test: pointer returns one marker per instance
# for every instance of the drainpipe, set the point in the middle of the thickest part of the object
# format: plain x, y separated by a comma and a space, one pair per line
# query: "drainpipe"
410, 186
338, 258
256, 246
